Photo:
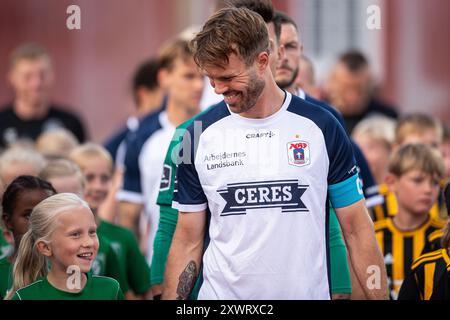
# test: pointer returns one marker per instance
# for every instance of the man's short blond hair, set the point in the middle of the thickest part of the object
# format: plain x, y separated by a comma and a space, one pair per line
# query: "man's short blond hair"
28, 51
238, 31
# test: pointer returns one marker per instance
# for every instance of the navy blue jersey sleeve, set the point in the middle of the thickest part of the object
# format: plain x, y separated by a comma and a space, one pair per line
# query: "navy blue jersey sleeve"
131, 189
370, 188
340, 153
188, 192
344, 184
113, 143
327, 107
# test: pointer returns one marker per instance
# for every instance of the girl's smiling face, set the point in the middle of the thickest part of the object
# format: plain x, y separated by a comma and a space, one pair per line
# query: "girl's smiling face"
74, 242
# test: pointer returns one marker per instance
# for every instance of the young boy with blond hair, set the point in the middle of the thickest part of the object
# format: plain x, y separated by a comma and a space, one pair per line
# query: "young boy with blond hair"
413, 128
415, 171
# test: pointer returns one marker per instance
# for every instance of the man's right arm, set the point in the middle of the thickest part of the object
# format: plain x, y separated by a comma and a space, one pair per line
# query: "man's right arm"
364, 253
185, 255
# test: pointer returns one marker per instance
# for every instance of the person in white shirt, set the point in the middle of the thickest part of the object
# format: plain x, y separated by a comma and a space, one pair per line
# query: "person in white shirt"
256, 180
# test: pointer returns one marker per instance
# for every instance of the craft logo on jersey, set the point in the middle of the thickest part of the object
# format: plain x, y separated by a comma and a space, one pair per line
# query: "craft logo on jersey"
298, 153
283, 194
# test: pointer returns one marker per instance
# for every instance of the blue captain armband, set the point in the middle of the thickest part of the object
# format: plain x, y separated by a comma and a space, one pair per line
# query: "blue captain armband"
346, 193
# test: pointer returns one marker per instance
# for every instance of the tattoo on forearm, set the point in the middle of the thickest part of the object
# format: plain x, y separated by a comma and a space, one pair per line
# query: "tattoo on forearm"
187, 281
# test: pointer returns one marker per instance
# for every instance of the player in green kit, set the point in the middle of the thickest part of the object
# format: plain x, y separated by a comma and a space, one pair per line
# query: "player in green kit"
19, 199
62, 234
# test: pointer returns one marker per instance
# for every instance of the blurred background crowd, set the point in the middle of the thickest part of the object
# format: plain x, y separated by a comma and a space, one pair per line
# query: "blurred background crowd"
67, 93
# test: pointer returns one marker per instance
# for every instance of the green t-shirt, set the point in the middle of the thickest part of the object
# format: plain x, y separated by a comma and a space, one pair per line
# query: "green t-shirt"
340, 274
5, 248
96, 288
108, 264
5, 277
130, 257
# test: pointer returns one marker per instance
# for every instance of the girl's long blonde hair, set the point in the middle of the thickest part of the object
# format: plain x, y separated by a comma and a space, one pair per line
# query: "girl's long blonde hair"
30, 263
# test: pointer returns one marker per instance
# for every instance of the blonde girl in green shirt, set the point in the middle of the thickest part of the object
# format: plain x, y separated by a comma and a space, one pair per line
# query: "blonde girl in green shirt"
62, 234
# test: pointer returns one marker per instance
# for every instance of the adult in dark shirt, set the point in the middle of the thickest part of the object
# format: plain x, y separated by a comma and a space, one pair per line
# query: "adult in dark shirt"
31, 112
350, 89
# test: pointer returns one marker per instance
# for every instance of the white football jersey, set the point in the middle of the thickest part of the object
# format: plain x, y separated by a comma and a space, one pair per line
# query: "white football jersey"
143, 163
266, 184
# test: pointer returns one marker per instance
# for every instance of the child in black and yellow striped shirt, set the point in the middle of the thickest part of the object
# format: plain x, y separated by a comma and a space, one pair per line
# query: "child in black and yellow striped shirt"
430, 275
413, 128
414, 174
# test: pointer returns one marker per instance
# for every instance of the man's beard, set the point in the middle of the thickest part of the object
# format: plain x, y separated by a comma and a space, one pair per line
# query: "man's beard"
283, 84
253, 92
